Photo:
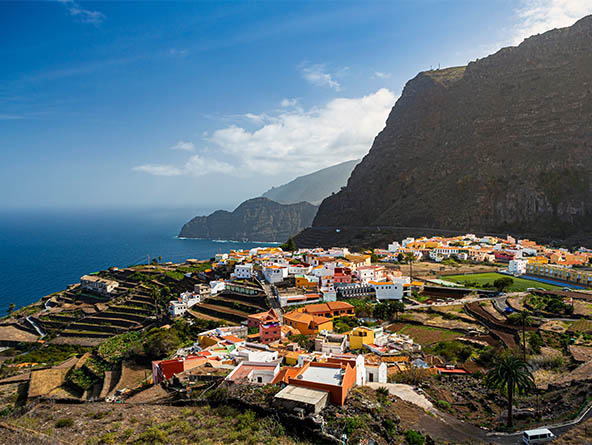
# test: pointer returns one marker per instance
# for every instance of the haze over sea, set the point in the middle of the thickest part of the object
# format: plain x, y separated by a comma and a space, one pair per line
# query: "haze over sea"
43, 251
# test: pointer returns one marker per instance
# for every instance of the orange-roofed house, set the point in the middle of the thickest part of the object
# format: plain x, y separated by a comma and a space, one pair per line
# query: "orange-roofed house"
255, 320
165, 369
307, 324
335, 378
331, 309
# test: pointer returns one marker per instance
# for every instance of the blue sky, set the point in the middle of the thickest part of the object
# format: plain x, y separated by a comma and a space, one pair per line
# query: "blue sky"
205, 104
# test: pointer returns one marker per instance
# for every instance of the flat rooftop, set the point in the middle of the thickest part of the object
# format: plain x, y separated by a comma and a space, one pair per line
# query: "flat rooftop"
330, 376
302, 395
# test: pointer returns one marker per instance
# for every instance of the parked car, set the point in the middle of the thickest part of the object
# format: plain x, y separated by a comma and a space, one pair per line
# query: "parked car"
542, 435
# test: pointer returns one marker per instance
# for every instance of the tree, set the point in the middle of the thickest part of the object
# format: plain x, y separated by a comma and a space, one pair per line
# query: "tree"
11, 308
373, 258
511, 376
397, 307
409, 258
388, 310
536, 342
290, 245
525, 320
161, 343
503, 283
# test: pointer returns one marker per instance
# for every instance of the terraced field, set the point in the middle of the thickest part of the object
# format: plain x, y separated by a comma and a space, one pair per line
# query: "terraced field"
229, 307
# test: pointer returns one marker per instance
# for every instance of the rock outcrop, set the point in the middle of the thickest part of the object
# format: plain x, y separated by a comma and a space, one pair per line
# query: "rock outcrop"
257, 219
502, 145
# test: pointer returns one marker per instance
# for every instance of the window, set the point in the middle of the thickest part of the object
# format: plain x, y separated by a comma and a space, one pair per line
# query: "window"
259, 379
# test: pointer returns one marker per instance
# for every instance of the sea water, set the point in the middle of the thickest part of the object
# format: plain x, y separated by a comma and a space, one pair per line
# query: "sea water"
43, 251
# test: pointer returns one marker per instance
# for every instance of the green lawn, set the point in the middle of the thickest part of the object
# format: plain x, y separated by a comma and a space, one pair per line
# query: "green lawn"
520, 284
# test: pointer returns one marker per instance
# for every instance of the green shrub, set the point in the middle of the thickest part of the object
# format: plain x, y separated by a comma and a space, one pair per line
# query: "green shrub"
153, 435
414, 438
64, 422
108, 438
382, 391
443, 404
353, 423
390, 427
6, 411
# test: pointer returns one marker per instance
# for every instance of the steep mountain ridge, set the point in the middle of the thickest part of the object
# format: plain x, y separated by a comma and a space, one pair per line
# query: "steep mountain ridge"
313, 187
257, 219
503, 144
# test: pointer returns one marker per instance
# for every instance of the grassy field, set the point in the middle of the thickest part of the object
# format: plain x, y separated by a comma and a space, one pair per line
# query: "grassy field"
520, 284
424, 335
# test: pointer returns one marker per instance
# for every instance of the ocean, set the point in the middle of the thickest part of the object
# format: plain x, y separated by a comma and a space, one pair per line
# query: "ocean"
43, 251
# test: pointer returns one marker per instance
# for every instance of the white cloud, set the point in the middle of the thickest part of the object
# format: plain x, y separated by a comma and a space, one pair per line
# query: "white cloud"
198, 166
289, 103
317, 75
181, 53
182, 145
293, 141
84, 15
538, 16
195, 166
159, 170
258, 118
381, 75
304, 141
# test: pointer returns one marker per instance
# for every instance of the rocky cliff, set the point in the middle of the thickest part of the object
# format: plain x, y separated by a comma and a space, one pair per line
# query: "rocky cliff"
502, 145
313, 187
258, 219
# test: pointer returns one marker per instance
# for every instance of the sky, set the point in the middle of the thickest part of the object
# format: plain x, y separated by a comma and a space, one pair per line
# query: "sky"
204, 104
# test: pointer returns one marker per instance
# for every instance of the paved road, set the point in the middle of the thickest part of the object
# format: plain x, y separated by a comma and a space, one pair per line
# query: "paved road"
405, 392
451, 303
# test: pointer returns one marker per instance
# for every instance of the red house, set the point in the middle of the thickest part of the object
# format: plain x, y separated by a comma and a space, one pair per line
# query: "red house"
342, 275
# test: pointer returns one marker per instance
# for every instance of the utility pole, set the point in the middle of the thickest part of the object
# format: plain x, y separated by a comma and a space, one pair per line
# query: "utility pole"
148, 259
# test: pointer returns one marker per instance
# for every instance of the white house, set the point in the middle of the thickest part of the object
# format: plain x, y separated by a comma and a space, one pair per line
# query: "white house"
243, 271
185, 301
407, 241
366, 274
97, 284
259, 373
394, 247
254, 353
370, 373
376, 373
338, 251
331, 343
517, 267
217, 287
390, 290
221, 256
299, 269
275, 273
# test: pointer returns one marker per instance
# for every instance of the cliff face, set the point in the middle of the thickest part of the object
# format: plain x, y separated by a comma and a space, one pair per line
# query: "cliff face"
504, 144
314, 187
258, 219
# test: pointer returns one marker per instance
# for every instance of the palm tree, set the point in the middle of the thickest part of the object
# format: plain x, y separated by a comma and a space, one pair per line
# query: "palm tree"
11, 308
409, 258
511, 375
525, 320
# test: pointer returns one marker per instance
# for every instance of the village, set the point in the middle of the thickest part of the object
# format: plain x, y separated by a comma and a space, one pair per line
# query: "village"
343, 346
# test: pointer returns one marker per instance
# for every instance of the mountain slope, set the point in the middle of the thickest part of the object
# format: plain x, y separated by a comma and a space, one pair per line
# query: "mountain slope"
257, 219
503, 144
314, 187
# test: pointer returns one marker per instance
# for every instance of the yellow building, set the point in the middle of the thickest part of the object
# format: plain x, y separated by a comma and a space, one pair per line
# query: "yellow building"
358, 260
307, 324
303, 282
576, 276
360, 336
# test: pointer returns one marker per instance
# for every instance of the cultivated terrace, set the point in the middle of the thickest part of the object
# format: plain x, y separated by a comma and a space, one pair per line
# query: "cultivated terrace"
284, 345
